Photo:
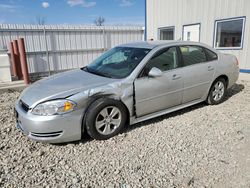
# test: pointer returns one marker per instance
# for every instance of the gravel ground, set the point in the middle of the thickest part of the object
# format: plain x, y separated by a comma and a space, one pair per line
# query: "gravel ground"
201, 146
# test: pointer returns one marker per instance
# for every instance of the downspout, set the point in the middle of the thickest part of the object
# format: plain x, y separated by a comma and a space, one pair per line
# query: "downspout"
47, 51
145, 27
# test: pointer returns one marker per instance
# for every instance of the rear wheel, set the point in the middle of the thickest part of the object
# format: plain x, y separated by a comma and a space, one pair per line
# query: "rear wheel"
105, 118
217, 92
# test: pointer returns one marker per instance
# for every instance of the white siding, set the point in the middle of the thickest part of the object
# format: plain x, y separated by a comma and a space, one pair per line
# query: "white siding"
164, 13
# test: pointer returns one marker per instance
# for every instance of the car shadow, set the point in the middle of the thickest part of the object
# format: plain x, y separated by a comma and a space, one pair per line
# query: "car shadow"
235, 89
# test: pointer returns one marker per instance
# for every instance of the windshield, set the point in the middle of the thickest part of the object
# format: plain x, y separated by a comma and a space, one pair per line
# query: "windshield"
118, 62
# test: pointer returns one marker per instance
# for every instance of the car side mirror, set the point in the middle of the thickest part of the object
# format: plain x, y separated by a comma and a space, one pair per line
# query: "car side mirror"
155, 72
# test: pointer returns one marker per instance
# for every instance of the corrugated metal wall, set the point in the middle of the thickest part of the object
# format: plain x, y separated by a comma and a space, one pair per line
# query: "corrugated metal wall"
65, 46
164, 13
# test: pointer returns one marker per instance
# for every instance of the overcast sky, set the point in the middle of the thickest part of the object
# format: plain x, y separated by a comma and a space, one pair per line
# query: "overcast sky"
72, 11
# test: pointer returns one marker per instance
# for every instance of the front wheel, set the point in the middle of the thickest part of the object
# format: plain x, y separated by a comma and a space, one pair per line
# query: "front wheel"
217, 92
105, 118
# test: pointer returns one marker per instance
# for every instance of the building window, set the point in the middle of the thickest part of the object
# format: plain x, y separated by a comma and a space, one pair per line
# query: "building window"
229, 33
166, 33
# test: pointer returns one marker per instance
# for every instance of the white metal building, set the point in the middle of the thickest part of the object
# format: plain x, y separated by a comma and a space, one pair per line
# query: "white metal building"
222, 24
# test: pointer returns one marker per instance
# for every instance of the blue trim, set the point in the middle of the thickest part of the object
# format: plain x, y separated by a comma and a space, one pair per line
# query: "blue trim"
168, 27
245, 70
191, 25
145, 27
243, 32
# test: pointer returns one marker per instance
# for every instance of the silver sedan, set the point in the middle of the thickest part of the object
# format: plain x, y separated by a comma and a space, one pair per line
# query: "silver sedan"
127, 84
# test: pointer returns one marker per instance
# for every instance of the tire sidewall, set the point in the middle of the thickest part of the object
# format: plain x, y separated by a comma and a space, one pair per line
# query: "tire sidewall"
94, 110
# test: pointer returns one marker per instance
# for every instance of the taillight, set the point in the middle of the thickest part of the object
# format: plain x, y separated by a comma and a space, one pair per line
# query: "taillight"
237, 62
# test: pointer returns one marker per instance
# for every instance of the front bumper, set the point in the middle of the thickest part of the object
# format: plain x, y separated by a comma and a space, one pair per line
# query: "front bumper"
52, 129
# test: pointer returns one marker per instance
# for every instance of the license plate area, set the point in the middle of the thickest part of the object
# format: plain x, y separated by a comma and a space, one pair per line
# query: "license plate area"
19, 123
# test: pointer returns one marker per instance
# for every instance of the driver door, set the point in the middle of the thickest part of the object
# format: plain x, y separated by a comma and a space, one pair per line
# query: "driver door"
153, 94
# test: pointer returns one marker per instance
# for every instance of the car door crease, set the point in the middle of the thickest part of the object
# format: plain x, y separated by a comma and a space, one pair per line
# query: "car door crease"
158, 96
202, 83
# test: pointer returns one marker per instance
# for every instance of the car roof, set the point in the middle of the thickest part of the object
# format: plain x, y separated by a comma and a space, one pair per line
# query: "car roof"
159, 43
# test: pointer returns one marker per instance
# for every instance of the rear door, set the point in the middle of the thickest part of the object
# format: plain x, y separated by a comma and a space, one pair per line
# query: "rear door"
198, 72
153, 94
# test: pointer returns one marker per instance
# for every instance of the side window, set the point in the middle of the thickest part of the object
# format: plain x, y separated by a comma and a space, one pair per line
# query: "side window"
210, 55
192, 55
164, 61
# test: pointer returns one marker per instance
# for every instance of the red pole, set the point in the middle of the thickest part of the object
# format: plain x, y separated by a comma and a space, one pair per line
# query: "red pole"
23, 60
17, 60
13, 59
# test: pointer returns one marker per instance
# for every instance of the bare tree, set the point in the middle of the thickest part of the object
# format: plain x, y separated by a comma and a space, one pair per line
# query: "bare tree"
99, 21
40, 20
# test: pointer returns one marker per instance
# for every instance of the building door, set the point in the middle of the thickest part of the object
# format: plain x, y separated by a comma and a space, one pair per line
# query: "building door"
191, 32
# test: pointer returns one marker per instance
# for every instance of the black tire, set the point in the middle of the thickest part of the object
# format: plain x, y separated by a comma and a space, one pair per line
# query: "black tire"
211, 98
95, 110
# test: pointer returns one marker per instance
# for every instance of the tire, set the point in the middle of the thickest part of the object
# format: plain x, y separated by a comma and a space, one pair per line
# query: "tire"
105, 118
217, 92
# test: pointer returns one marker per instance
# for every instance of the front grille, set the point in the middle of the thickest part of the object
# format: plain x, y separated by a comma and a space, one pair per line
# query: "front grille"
24, 106
50, 134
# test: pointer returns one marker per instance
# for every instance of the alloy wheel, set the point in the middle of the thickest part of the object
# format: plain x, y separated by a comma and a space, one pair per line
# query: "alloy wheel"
108, 120
218, 91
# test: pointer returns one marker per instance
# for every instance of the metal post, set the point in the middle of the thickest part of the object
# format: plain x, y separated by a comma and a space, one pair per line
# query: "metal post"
104, 38
17, 60
47, 51
13, 59
23, 60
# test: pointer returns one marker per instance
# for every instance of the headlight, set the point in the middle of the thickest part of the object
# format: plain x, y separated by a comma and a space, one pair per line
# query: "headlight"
54, 107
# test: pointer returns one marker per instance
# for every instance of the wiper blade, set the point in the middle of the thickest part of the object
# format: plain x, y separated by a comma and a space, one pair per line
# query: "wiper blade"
103, 74
85, 69
97, 73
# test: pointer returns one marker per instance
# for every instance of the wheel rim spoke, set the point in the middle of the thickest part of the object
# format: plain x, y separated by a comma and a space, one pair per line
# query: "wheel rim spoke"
215, 97
214, 93
220, 85
116, 122
100, 124
107, 129
104, 112
114, 112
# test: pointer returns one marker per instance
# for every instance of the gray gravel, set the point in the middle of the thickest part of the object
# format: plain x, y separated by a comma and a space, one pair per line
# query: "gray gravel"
202, 146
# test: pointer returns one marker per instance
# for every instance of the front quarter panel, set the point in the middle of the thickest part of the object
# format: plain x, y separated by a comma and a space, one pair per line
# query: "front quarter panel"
121, 90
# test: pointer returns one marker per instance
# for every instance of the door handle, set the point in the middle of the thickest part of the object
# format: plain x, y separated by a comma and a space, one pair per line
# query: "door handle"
210, 68
176, 77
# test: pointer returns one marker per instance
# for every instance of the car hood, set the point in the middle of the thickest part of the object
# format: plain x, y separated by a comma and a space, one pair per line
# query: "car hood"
62, 85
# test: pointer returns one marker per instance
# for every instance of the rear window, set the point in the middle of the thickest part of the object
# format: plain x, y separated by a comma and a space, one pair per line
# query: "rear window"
210, 55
